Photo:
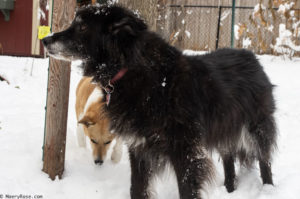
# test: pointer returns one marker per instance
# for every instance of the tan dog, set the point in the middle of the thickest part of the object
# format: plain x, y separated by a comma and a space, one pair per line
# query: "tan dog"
94, 124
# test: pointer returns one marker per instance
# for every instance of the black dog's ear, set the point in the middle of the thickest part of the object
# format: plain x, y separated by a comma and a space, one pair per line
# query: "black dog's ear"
128, 26
123, 25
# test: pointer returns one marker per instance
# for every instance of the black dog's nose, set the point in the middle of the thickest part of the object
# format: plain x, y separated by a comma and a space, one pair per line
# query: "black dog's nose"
46, 41
98, 161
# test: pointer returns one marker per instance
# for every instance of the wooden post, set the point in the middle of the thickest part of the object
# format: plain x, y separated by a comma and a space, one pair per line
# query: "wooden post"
58, 97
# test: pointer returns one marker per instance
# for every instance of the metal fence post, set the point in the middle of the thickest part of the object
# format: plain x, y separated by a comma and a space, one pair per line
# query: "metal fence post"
218, 28
232, 23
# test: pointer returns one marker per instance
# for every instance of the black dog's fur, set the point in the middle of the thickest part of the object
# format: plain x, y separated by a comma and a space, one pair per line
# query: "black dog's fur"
172, 107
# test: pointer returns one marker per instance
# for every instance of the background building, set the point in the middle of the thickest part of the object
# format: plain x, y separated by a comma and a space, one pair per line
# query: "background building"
18, 34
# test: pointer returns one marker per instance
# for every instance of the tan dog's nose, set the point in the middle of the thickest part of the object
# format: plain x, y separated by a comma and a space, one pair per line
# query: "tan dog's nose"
98, 161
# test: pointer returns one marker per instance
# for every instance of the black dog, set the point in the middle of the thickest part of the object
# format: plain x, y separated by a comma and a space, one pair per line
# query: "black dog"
171, 107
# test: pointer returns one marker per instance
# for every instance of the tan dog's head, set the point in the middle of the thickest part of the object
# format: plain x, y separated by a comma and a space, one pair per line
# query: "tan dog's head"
96, 128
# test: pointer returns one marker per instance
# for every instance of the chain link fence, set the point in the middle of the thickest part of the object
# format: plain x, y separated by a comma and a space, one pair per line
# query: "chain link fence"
206, 25
207, 28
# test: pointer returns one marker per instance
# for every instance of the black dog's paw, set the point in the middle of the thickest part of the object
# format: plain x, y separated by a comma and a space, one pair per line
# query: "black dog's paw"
229, 187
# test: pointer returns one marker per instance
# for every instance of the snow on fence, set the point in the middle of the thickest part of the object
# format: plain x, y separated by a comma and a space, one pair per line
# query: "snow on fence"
263, 26
265, 29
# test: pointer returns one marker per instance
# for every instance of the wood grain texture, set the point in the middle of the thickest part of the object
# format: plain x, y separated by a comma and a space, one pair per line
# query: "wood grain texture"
58, 97
147, 9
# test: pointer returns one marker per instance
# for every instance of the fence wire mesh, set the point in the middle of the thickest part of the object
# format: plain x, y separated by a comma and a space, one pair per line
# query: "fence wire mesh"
209, 27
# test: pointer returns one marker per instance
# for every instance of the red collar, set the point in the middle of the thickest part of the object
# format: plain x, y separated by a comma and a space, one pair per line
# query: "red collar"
109, 89
119, 75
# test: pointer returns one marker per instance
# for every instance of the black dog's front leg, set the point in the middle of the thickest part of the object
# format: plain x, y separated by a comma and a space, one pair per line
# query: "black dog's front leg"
193, 169
140, 174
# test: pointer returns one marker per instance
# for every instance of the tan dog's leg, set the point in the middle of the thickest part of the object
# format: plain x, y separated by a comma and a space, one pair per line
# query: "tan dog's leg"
117, 151
81, 140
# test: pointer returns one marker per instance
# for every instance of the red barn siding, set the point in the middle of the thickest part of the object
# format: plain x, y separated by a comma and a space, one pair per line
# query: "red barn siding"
15, 34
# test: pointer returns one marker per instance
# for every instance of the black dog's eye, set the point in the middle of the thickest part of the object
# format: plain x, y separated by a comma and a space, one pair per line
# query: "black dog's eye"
94, 141
83, 27
107, 142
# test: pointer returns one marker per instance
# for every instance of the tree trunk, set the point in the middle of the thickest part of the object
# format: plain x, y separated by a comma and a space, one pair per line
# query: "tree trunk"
58, 96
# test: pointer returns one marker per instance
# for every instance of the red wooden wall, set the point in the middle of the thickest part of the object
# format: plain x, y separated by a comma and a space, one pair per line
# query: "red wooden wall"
15, 34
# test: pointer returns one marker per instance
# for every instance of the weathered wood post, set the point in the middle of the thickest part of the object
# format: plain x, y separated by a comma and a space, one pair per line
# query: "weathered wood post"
58, 96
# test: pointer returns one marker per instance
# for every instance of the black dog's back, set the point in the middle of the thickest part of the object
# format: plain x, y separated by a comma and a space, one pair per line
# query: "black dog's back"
238, 111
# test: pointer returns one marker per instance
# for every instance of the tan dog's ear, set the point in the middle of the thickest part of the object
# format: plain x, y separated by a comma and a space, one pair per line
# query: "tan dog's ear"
86, 121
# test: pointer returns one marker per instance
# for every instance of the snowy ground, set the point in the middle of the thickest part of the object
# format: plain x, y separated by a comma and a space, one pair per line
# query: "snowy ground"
22, 116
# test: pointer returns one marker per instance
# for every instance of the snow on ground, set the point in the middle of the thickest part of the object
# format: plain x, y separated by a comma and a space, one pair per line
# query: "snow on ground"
22, 113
